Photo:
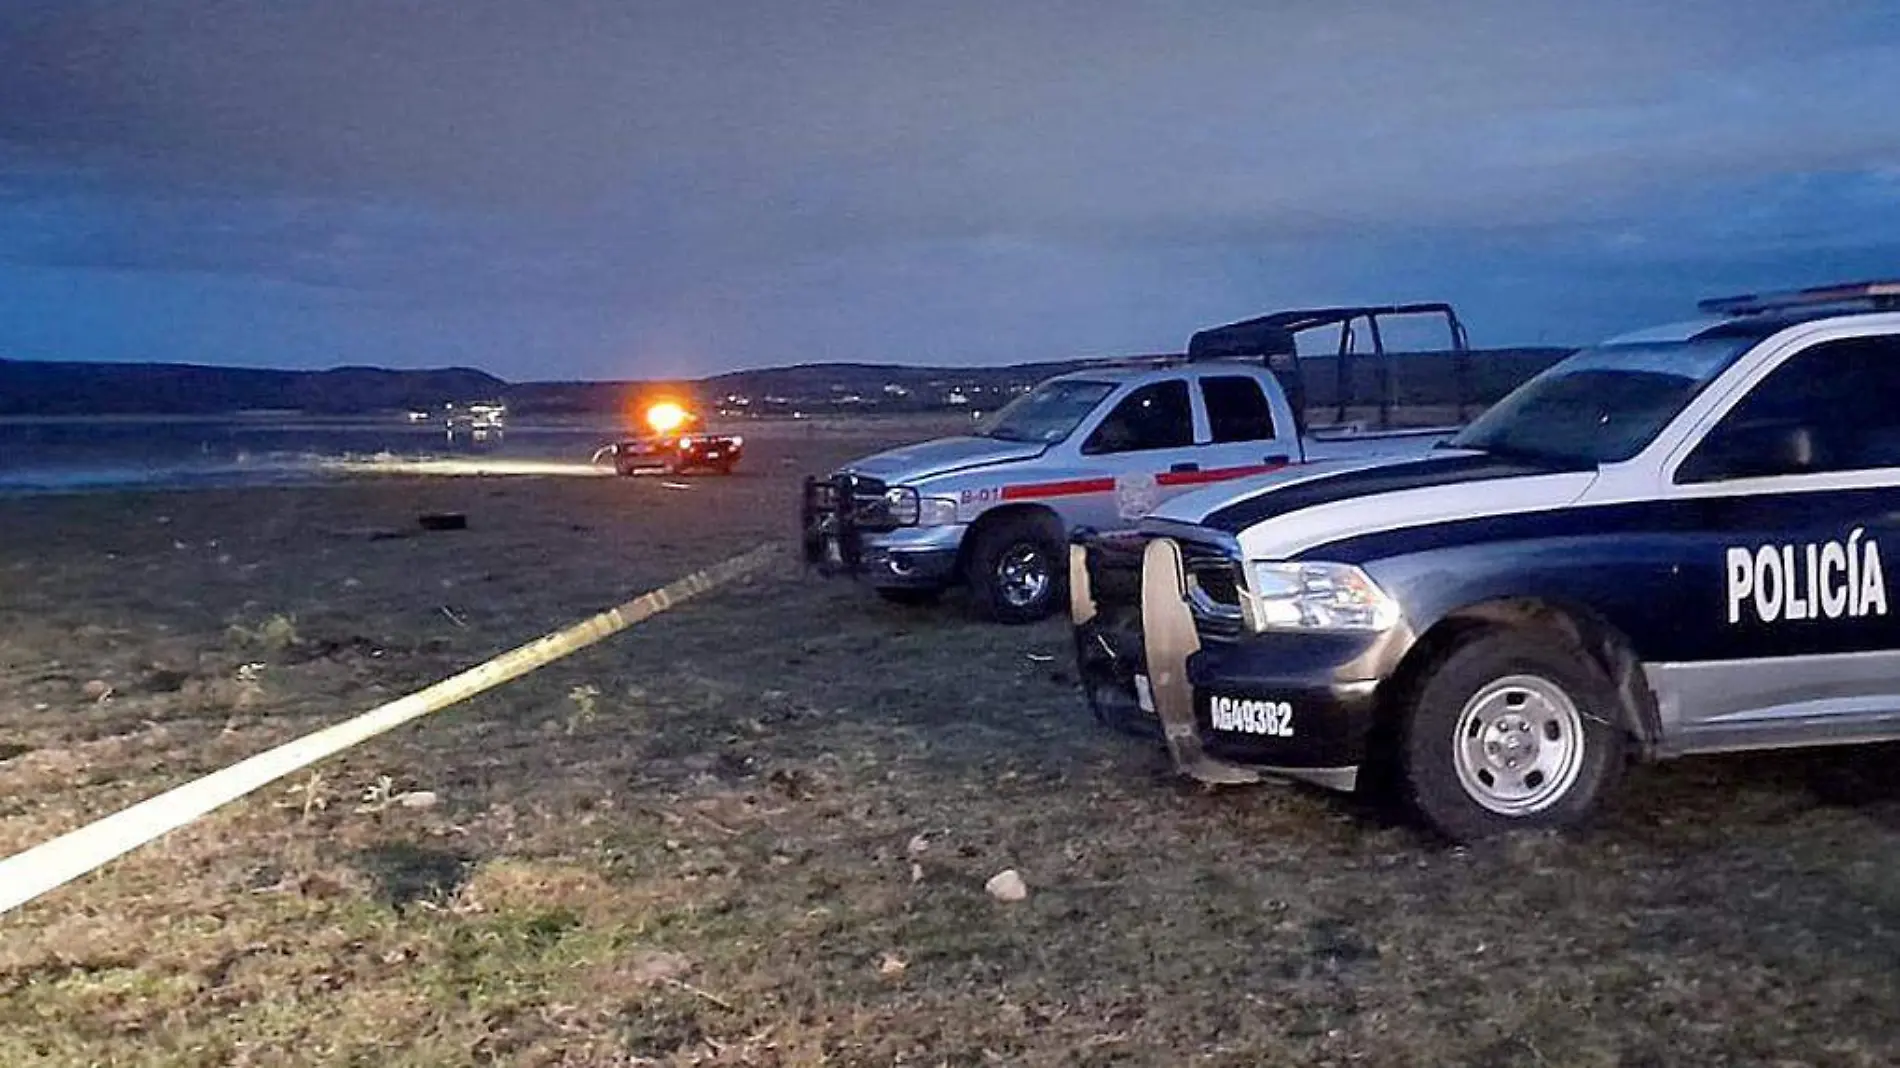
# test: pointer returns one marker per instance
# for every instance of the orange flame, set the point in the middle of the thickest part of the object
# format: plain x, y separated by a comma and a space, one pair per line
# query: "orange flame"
666, 416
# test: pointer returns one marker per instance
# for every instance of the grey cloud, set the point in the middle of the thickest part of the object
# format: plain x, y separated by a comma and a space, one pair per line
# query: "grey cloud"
982, 116
691, 183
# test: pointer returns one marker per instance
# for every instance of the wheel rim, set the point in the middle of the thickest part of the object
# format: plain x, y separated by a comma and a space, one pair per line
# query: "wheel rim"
1022, 576
1518, 746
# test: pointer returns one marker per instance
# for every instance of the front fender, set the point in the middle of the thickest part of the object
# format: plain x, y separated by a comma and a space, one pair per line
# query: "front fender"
1626, 583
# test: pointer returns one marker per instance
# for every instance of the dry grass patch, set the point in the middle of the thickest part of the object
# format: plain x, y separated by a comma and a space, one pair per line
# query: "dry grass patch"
757, 831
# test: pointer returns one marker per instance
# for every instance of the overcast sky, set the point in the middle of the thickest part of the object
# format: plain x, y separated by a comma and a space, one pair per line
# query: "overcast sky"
556, 189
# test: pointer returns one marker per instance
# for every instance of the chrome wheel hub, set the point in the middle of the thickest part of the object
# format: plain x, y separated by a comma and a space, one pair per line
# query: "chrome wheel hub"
1023, 575
1518, 746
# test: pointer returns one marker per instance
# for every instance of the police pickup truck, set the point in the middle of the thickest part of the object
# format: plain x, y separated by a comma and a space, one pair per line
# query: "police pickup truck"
1094, 448
1671, 543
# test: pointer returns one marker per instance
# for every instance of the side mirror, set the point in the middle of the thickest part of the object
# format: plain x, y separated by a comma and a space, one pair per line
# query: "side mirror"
1758, 450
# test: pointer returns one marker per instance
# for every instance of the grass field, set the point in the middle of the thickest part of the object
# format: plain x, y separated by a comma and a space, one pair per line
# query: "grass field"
757, 830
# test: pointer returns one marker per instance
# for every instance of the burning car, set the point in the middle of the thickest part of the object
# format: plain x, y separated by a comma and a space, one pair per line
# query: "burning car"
677, 441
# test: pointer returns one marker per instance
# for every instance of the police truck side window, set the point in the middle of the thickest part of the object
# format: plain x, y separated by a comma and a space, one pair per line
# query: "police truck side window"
1237, 409
1829, 408
1156, 416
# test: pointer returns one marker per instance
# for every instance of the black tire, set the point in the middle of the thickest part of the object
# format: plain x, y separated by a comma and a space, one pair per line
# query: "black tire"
1037, 538
909, 596
1552, 671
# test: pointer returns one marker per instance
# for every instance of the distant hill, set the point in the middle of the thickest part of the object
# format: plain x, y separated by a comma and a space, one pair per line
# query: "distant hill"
30, 387
65, 388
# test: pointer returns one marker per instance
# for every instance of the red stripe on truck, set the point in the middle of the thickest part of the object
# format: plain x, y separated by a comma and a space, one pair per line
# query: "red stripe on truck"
1058, 489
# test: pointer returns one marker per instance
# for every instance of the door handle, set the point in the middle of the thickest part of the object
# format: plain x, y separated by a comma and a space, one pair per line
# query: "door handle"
1182, 468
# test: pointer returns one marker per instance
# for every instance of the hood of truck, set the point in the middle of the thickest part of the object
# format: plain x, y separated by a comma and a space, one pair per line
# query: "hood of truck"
1194, 506
1314, 505
941, 456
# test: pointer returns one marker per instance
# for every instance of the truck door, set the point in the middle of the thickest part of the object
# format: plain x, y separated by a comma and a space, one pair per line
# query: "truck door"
1243, 436
1788, 511
1147, 443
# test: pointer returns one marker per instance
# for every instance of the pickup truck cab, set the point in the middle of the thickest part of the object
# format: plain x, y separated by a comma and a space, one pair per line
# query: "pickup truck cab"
1096, 448
1671, 543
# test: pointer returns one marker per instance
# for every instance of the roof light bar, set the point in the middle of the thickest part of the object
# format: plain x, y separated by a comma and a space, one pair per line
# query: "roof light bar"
1882, 295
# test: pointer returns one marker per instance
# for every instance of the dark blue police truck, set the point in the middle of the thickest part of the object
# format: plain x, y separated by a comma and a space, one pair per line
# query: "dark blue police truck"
1671, 543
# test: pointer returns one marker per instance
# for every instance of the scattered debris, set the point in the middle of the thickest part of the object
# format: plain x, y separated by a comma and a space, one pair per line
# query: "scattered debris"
417, 799
677, 485
918, 845
1040, 658
97, 690
1007, 885
453, 618
892, 965
377, 795
443, 521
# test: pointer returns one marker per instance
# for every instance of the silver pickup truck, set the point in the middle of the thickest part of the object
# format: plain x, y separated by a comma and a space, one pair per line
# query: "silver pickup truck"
1094, 449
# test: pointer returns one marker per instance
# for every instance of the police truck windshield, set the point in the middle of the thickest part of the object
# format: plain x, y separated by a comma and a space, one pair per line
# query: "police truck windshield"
1600, 405
1048, 413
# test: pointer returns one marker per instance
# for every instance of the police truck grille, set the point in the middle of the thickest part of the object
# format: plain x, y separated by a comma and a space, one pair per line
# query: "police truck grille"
869, 510
1213, 583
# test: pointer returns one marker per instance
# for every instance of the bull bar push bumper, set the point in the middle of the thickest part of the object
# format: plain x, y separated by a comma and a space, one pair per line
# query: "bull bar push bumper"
1168, 639
828, 524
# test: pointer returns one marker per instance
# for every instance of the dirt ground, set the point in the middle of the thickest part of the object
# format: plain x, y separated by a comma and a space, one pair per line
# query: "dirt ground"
757, 829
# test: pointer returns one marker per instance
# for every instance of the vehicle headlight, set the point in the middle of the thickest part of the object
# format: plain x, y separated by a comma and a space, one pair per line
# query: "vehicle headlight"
900, 503
909, 508
936, 512
1314, 596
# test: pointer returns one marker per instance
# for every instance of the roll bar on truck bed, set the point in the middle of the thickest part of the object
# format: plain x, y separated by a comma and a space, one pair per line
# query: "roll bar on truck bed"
1274, 340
